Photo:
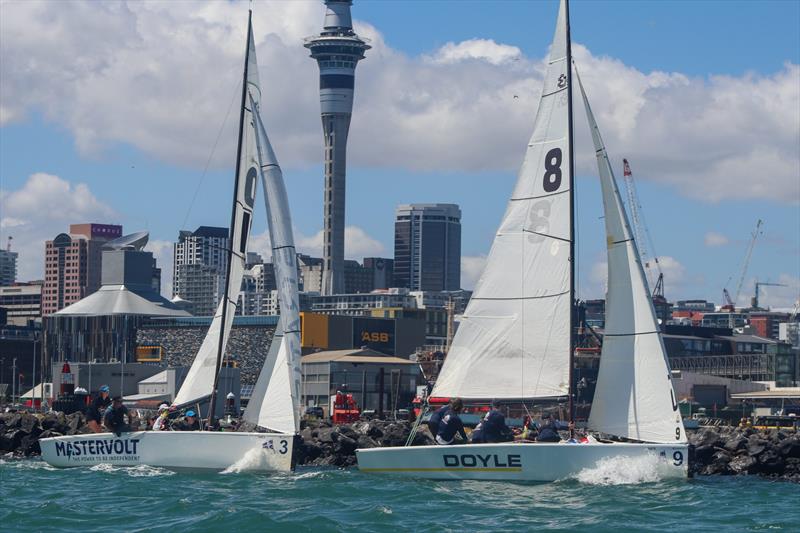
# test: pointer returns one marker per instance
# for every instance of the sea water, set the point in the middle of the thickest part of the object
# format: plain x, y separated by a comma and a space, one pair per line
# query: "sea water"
610, 497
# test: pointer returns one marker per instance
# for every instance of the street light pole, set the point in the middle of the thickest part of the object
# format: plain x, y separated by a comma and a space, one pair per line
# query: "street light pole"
13, 380
33, 363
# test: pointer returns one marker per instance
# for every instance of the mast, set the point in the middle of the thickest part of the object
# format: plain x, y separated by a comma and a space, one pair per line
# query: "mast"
572, 313
221, 345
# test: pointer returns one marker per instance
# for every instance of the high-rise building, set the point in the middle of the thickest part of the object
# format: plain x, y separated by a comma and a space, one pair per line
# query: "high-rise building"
73, 264
381, 271
8, 267
337, 50
427, 247
199, 266
22, 302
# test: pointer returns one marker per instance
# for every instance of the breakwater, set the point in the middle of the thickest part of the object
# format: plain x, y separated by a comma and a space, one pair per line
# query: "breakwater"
717, 451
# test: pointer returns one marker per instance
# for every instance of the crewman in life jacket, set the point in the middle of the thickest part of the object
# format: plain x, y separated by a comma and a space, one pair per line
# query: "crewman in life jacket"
436, 419
493, 427
94, 414
451, 424
161, 423
114, 418
190, 423
548, 432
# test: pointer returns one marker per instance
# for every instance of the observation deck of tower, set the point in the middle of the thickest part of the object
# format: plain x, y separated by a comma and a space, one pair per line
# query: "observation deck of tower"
337, 51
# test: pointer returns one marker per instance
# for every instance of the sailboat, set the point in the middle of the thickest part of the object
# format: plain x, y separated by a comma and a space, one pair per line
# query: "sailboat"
516, 340
274, 406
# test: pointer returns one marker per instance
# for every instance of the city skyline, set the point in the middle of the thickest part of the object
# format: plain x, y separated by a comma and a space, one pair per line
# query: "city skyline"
463, 142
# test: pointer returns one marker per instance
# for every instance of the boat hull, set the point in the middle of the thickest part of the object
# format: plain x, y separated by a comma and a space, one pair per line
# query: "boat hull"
520, 461
178, 450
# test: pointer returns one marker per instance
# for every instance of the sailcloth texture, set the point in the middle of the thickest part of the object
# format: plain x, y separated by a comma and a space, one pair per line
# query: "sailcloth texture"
278, 409
514, 338
634, 397
200, 378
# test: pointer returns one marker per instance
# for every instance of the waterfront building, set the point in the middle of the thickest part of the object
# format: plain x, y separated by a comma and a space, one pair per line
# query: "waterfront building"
199, 264
8, 267
789, 332
767, 323
337, 50
73, 264
310, 278
22, 302
258, 285
382, 272
427, 247
362, 304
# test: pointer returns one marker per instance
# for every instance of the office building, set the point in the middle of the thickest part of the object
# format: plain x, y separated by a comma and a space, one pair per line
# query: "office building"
8, 267
73, 264
199, 268
22, 302
427, 247
337, 50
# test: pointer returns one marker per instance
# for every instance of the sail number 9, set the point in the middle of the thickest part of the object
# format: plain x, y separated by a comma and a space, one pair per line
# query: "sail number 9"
677, 458
552, 167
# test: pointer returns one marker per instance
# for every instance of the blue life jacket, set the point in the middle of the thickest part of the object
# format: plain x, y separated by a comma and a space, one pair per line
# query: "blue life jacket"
450, 425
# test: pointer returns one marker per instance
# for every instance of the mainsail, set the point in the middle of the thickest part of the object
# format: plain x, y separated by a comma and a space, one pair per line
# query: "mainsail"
634, 397
514, 338
278, 385
201, 379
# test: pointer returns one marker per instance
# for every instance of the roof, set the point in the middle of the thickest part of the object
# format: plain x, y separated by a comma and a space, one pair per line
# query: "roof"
354, 356
748, 338
119, 300
789, 393
211, 231
139, 397
161, 377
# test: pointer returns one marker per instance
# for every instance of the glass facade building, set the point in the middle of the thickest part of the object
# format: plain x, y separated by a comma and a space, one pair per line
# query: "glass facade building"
427, 247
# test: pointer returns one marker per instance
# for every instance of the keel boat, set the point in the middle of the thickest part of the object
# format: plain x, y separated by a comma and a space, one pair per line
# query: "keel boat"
517, 337
274, 406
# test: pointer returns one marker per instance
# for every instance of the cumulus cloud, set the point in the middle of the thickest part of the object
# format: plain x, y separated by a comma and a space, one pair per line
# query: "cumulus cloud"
357, 244
471, 270
713, 238
161, 76
41, 209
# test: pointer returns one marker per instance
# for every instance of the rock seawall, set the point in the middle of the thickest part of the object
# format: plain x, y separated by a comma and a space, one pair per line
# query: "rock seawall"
717, 451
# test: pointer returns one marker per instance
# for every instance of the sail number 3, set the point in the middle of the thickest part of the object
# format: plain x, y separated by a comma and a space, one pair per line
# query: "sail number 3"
552, 167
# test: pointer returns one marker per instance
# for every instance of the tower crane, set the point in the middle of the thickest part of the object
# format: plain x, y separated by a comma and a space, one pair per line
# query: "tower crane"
641, 234
746, 263
754, 299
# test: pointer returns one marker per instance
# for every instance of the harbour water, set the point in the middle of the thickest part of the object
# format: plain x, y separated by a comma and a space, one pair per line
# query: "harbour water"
37, 497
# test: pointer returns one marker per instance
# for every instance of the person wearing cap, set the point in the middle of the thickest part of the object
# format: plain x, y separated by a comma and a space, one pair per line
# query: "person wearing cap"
94, 414
114, 418
492, 428
190, 422
161, 423
451, 424
548, 432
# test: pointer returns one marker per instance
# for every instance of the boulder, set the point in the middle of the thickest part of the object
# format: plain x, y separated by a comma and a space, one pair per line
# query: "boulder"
742, 464
756, 445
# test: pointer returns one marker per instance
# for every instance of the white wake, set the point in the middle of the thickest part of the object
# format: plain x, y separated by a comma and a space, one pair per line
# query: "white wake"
624, 471
254, 459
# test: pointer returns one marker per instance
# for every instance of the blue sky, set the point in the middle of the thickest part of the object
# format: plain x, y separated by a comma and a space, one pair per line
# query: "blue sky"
141, 167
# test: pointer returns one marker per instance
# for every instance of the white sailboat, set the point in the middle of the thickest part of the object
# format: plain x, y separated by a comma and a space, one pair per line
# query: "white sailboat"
516, 339
275, 402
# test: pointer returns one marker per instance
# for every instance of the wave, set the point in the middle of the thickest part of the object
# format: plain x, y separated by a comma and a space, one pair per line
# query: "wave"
254, 459
624, 471
132, 471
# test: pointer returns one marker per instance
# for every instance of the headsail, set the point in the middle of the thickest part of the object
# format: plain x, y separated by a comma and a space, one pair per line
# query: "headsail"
200, 380
278, 409
634, 397
514, 339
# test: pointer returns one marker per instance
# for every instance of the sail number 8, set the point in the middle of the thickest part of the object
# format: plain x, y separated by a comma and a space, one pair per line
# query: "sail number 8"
552, 167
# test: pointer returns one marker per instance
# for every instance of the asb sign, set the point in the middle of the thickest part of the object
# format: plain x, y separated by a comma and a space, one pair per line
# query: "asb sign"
374, 333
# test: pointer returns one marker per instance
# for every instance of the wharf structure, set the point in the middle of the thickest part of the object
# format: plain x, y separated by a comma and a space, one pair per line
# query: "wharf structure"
337, 51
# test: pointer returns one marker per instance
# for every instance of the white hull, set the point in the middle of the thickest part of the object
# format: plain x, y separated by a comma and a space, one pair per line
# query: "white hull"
518, 461
180, 450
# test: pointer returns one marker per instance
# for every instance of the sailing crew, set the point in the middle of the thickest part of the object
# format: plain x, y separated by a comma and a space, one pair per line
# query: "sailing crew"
436, 419
190, 423
548, 430
94, 414
114, 418
493, 427
451, 424
161, 423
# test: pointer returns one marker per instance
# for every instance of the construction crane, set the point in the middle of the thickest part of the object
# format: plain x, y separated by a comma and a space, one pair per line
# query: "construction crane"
746, 263
641, 234
754, 299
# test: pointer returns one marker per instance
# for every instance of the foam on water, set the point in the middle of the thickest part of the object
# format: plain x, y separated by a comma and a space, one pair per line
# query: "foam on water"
254, 459
132, 471
624, 471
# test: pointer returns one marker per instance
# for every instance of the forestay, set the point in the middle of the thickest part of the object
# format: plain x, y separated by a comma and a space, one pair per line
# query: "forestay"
514, 338
278, 409
634, 397
200, 379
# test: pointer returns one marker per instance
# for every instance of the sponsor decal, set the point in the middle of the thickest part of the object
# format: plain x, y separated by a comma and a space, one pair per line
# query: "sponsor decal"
91, 450
374, 336
477, 460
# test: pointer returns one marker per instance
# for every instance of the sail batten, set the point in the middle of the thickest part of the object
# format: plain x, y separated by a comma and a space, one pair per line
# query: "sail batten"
633, 397
514, 338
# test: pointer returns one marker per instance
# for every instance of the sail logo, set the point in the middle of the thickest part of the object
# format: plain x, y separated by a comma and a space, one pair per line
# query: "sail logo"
98, 448
476, 460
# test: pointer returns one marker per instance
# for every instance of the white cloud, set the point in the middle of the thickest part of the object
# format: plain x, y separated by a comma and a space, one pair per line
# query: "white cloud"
471, 269
161, 75
44, 207
357, 244
481, 49
715, 239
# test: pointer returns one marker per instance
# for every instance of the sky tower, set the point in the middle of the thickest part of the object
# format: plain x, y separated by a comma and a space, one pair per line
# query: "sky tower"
337, 51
